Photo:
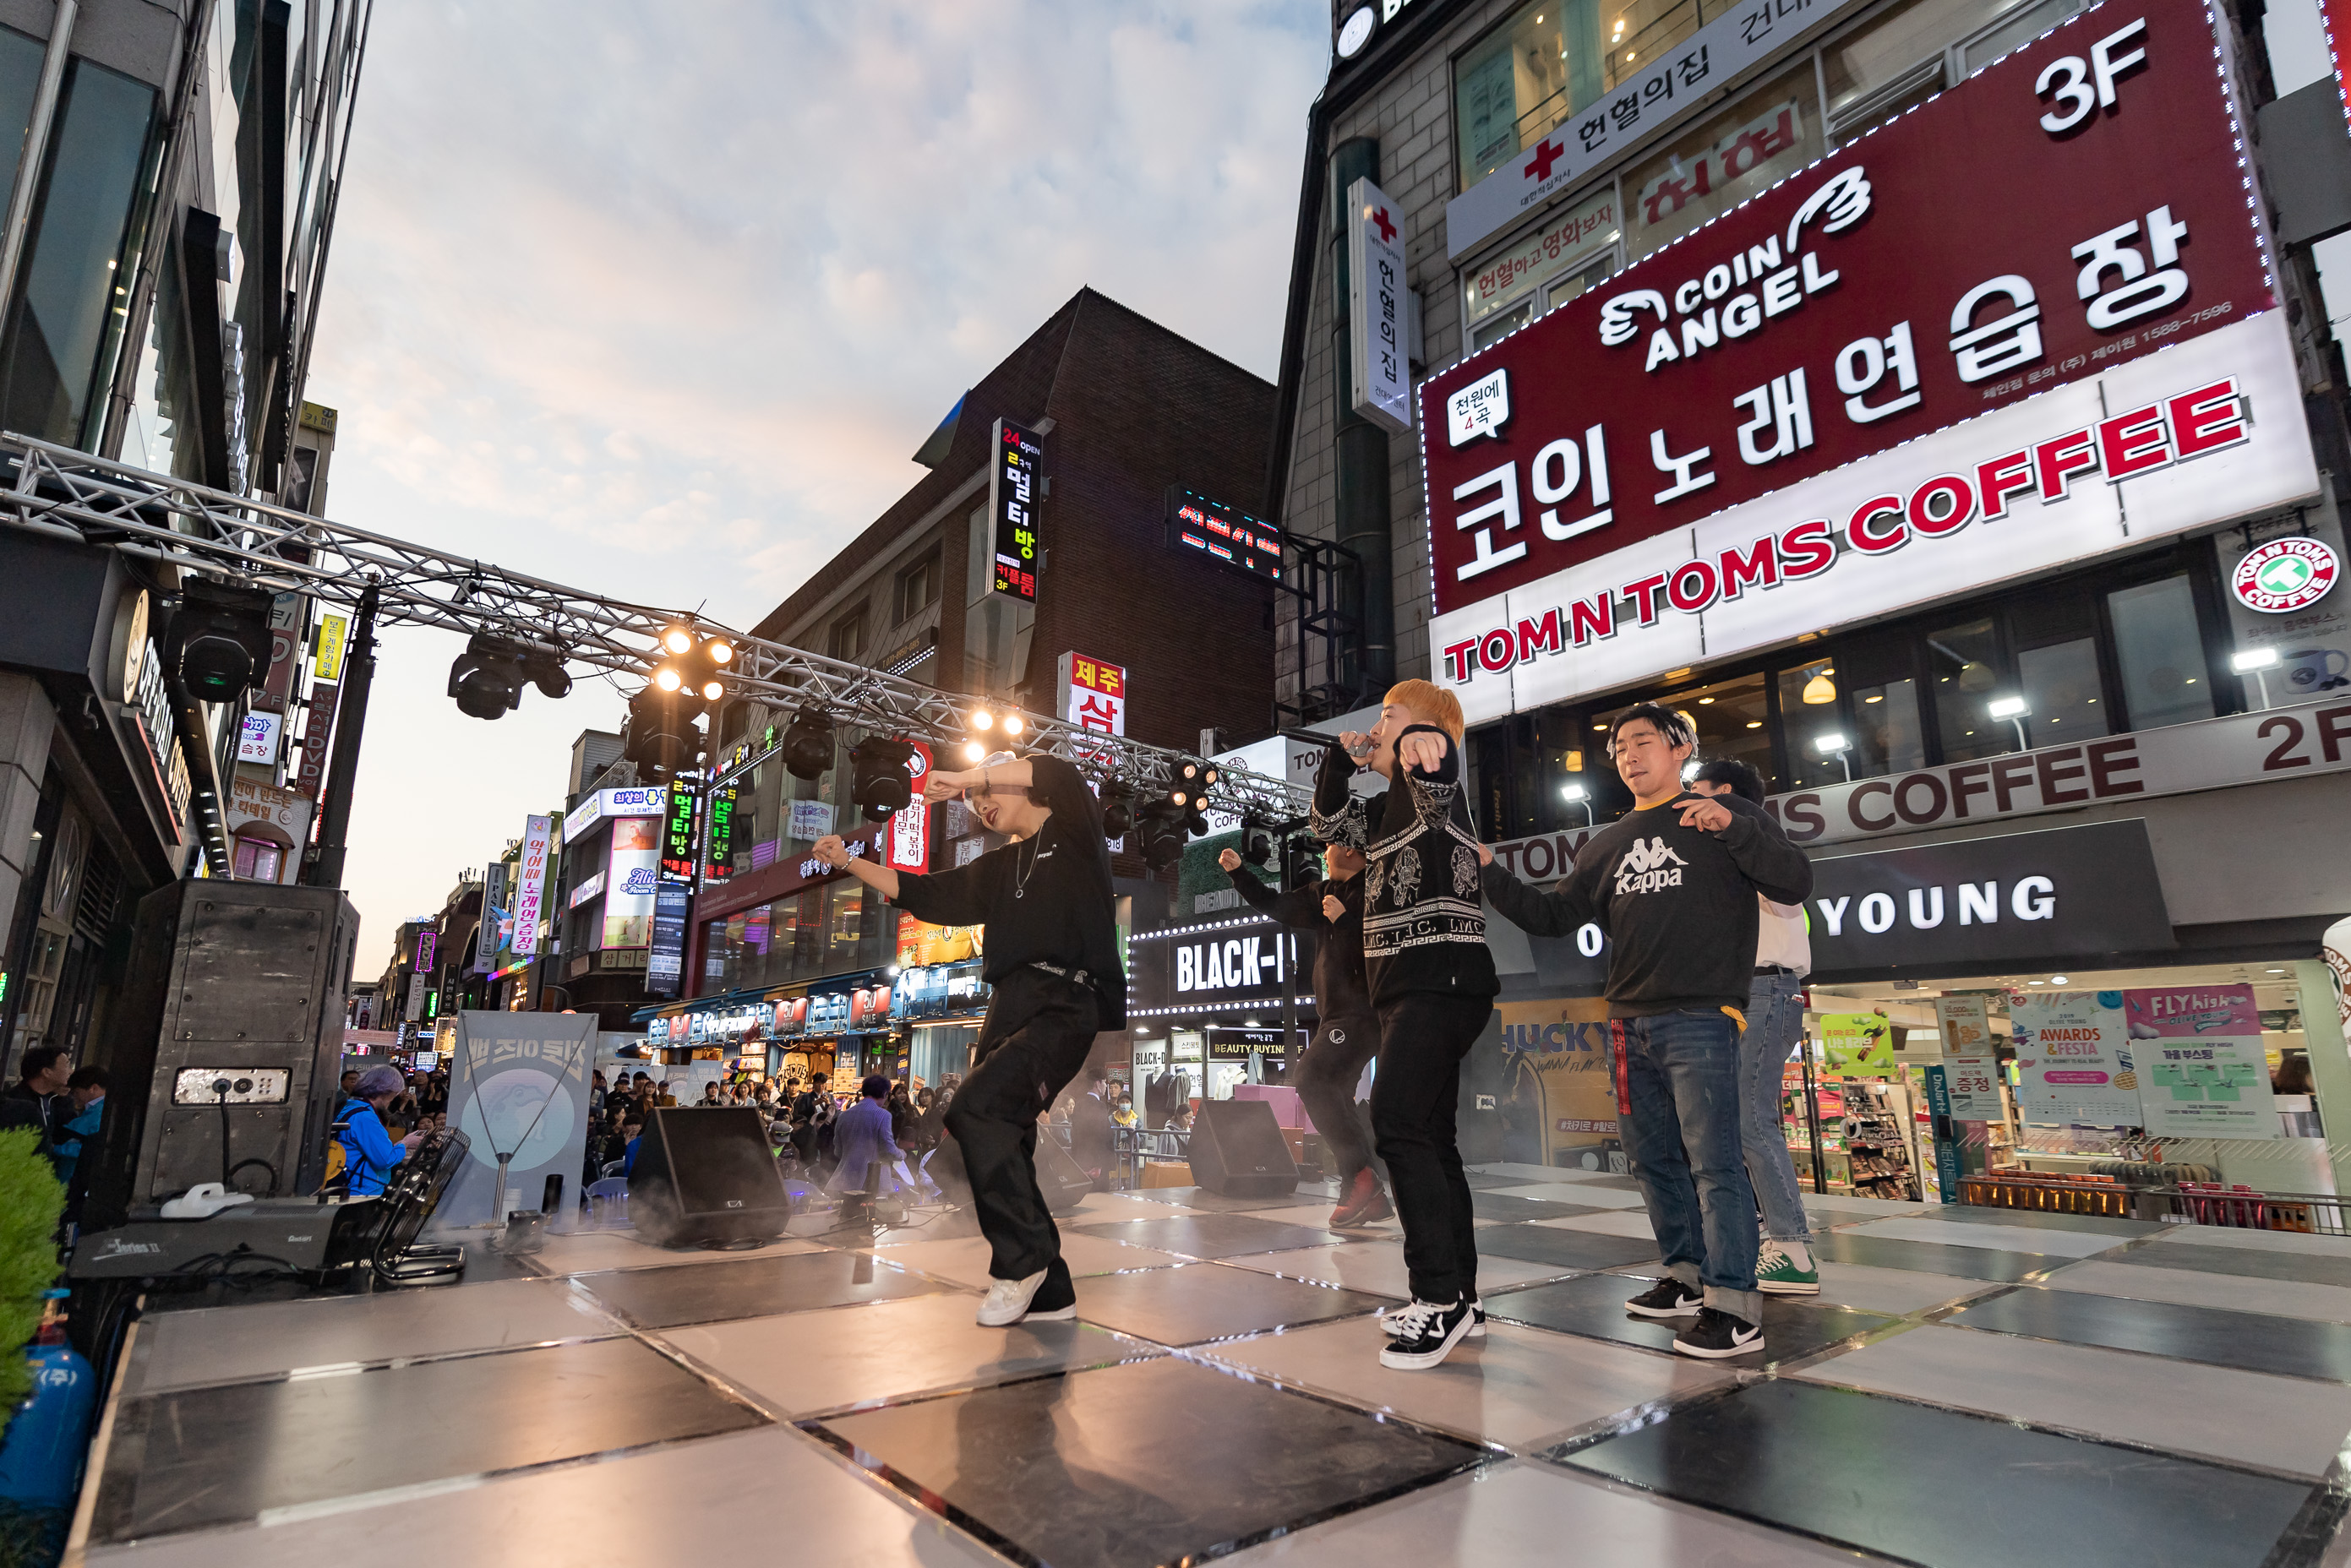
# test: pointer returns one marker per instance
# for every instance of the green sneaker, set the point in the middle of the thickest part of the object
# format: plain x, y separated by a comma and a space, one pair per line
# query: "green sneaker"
1776, 1273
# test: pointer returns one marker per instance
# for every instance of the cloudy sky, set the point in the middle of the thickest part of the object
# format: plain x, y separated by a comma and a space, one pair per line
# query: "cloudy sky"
658, 301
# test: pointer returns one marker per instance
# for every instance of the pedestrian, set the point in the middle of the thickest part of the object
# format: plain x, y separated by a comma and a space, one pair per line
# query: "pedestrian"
38, 1098
596, 1092
1431, 980
1348, 1034
1673, 883
1091, 1139
1058, 977
632, 1134
369, 1151
1775, 1023
868, 1148
87, 1090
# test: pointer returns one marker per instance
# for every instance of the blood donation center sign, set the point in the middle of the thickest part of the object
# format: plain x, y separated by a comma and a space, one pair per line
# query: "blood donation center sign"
2029, 321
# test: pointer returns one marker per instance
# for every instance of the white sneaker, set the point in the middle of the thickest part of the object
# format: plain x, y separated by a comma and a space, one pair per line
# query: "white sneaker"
1008, 1301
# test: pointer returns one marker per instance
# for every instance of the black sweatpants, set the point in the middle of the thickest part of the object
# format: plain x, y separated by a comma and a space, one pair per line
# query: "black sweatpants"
1325, 1079
1038, 1029
1422, 1041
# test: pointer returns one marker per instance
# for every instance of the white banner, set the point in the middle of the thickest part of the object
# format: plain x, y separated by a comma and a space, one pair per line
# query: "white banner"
530, 885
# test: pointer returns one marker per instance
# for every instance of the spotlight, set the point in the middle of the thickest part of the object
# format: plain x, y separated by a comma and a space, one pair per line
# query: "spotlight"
982, 719
545, 671
1012, 724
720, 650
881, 783
1302, 862
1159, 827
973, 750
2007, 708
487, 679
676, 639
668, 679
220, 640
712, 691
808, 744
1257, 845
1118, 808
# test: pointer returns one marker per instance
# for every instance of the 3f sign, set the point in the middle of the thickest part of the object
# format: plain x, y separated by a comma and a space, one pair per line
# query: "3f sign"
2082, 88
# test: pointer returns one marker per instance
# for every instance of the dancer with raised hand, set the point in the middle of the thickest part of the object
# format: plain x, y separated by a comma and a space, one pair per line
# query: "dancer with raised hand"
1054, 963
1674, 884
1431, 980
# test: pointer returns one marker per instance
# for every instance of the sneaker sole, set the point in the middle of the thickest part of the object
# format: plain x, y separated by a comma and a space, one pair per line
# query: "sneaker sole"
1791, 1288
1406, 1361
1687, 1308
1749, 1348
1051, 1314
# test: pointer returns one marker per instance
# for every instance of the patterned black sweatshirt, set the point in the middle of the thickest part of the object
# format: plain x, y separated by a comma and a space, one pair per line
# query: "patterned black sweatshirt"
1423, 925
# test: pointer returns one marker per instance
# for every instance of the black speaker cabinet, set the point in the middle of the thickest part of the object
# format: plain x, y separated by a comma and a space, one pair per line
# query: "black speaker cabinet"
225, 1056
706, 1176
1237, 1151
1059, 1178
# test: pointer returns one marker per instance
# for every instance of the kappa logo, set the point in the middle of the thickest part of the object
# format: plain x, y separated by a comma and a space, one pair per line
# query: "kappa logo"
1647, 867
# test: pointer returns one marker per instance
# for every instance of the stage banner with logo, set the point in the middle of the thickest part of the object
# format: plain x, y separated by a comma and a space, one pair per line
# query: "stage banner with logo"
2202, 1071
2073, 1059
517, 1088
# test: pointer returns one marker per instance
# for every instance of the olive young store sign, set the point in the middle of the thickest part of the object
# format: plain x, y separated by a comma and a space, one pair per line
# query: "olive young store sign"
2031, 321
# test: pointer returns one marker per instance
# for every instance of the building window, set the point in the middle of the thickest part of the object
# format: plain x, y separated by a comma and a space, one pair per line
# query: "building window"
72, 301
2159, 653
918, 587
1542, 271
1964, 659
1906, 54
257, 860
1772, 132
1524, 79
848, 635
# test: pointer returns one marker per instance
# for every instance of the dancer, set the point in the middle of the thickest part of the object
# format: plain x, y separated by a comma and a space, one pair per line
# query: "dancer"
1349, 1031
1673, 883
1775, 1020
1431, 978
1054, 961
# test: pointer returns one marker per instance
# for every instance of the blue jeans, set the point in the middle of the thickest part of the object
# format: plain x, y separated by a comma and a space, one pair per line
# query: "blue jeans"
1775, 1017
1678, 1104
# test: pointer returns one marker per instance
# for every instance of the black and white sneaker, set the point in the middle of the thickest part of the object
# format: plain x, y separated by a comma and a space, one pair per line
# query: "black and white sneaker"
1430, 1333
1717, 1335
1392, 1322
1667, 1298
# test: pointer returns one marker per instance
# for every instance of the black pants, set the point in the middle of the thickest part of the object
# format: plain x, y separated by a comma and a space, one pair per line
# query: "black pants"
1422, 1041
1325, 1079
1039, 1030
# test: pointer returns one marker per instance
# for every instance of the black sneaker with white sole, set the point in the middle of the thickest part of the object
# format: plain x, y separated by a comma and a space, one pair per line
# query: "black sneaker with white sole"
1667, 1298
1717, 1335
1392, 1323
1430, 1333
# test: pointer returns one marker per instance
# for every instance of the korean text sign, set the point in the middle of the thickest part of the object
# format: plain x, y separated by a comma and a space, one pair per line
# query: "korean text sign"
1015, 475
530, 884
2202, 1070
1999, 268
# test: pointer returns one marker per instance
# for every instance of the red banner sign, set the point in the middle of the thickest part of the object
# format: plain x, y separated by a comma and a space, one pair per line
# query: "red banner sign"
2080, 204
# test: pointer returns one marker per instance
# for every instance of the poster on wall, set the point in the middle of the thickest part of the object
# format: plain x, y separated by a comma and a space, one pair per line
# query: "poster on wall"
2202, 1071
631, 879
1971, 1061
2073, 1059
1561, 1093
1856, 1045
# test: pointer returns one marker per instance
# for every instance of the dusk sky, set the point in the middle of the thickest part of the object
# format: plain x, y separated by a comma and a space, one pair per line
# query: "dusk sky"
659, 302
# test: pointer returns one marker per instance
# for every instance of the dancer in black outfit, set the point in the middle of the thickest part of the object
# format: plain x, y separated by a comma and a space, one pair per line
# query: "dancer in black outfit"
1349, 1032
1432, 979
1054, 962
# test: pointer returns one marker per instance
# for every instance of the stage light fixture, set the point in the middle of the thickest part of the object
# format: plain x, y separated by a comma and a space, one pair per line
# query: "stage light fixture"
676, 639
668, 678
880, 782
1257, 845
1118, 808
808, 744
1012, 724
981, 718
487, 679
544, 671
973, 750
219, 640
1159, 829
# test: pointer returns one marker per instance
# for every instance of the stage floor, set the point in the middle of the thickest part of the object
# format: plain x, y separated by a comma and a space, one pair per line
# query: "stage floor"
1971, 1386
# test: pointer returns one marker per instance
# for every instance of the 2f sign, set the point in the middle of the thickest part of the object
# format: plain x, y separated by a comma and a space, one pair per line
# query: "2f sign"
1480, 409
2081, 86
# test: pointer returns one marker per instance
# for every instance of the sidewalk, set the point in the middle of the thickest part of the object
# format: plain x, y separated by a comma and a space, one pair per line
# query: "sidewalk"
1972, 1386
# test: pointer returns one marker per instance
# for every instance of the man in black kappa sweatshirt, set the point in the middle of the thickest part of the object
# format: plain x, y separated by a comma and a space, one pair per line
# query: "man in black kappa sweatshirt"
1673, 883
1347, 1033
1432, 980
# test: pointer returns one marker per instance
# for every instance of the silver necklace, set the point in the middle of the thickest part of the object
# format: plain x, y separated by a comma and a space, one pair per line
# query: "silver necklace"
1021, 888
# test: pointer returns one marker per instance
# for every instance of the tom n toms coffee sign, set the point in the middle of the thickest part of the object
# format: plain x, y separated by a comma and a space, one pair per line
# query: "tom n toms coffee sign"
1885, 380
2068, 892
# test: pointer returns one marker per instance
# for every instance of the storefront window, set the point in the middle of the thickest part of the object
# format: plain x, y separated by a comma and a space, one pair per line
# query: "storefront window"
1964, 659
67, 316
1772, 132
2061, 684
1819, 747
1515, 84
2161, 653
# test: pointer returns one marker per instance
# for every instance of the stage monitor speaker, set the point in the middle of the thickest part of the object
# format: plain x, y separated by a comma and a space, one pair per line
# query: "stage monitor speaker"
1237, 1151
1062, 1180
706, 1176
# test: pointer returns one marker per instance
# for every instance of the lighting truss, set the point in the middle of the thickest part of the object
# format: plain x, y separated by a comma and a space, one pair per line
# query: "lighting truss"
65, 494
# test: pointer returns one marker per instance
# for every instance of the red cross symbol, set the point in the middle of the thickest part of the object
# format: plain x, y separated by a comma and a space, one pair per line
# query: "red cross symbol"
1545, 156
1386, 225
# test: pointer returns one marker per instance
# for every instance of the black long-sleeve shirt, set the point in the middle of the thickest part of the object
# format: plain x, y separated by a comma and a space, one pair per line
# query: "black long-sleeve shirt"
1045, 899
1339, 991
1679, 904
1423, 929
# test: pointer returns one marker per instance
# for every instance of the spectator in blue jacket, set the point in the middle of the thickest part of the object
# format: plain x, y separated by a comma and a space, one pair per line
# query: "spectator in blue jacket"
86, 1088
368, 1151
